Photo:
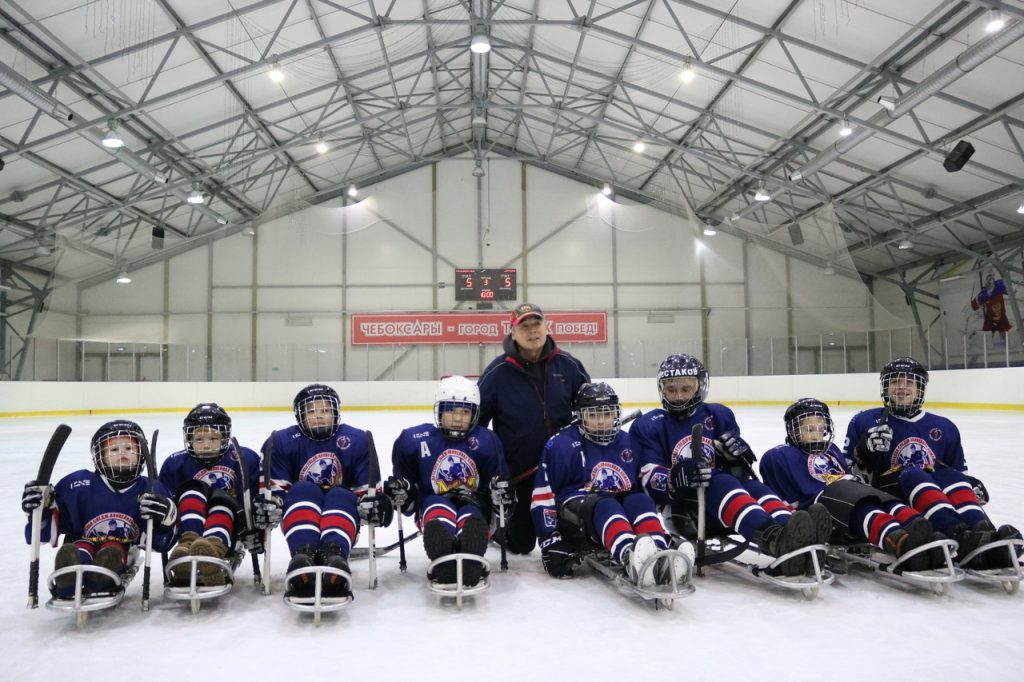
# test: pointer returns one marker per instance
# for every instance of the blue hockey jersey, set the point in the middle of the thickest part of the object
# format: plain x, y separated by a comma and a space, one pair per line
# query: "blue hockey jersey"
87, 507
924, 442
436, 465
571, 466
798, 477
661, 438
179, 469
343, 459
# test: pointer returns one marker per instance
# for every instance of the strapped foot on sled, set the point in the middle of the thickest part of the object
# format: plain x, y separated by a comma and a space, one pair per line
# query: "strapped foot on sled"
319, 581
655, 575
82, 588
997, 560
457, 568
939, 572
201, 572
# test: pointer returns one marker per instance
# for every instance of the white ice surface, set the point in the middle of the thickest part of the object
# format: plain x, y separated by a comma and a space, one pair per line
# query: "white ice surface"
527, 626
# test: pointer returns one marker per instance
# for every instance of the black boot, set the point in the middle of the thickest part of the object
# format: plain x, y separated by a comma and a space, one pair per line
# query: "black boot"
439, 542
916, 533
1000, 557
970, 539
777, 540
302, 585
473, 540
334, 585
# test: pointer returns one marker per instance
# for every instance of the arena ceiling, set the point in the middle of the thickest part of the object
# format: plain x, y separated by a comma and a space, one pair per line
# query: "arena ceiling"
572, 86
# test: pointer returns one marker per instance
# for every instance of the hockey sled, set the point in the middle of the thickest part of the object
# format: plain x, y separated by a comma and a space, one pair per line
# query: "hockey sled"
457, 589
663, 595
195, 593
318, 604
84, 602
885, 565
1009, 577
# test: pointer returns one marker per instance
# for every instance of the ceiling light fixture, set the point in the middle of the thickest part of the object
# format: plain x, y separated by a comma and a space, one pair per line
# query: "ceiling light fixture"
829, 270
478, 120
112, 139
639, 147
607, 190
478, 170
887, 103
709, 231
480, 43
352, 191
43, 251
195, 197
687, 74
1020, 209
275, 73
123, 278
905, 244
762, 194
321, 146
846, 130
995, 22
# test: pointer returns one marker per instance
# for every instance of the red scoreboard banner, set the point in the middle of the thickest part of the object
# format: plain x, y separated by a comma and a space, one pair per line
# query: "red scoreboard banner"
409, 328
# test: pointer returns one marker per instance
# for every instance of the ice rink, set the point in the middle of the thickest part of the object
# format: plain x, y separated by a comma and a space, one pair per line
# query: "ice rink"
527, 626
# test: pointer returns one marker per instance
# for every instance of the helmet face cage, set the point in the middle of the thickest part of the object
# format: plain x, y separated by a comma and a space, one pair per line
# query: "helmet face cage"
114, 442
319, 399
599, 412
453, 393
906, 376
809, 426
682, 366
207, 418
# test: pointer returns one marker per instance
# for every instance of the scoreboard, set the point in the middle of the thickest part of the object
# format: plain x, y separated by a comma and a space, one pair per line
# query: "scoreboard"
475, 284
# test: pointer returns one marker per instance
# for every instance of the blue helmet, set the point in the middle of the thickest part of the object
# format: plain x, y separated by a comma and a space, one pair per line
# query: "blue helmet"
209, 416
911, 374
120, 475
594, 401
681, 366
801, 433
317, 394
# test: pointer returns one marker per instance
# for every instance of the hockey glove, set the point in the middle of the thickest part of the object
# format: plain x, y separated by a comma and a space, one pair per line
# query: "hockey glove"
397, 488
558, 556
689, 473
377, 510
35, 496
734, 447
253, 540
878, 439
501, 493
979, 489
267, 514
161, 510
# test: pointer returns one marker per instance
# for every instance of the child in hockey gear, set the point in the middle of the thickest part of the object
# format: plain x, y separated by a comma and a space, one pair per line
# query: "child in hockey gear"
917, 456
320, 469
101, 513
586, 494
205, 479
736, 500
526, 396
443, 472
810, 470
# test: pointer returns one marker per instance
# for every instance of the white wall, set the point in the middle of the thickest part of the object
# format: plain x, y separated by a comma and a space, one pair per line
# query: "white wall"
980, 388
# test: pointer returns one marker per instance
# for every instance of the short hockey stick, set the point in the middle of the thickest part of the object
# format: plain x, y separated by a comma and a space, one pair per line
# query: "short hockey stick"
53, 448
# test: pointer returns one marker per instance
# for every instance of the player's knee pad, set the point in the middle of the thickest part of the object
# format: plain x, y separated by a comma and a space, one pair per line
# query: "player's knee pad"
840, 498
194, 485
220, 498
576, 519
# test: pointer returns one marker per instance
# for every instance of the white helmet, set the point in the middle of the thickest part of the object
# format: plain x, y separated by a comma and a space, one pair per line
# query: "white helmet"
454, 392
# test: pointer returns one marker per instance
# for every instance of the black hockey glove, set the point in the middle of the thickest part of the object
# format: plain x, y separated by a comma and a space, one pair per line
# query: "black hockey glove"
253, 540
267, 514
689, 473
35, 496
558, 556
161, 510
377, 510
398, 489
979, 489
734, 447
878, 439
501, 493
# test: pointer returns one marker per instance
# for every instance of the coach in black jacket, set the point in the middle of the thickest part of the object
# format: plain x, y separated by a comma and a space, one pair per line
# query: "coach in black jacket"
528, 392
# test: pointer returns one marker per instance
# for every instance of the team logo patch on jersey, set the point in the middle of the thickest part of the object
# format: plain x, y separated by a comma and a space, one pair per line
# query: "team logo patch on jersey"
550, 518
343, 442
323, 469
473, 443
218, 477
935, 434
453, 469
913, 452
682, 450
112, 526
824, 467
626, 455
606, 477
709, 424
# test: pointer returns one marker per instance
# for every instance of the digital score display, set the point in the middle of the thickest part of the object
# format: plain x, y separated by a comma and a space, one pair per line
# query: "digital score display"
475, 284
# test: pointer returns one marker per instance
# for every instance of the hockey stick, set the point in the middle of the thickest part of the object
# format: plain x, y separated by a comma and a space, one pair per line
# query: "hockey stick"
401, 542
53, 448
504, 540
363, 552
371, 492
697, 450
243, 482
268, 458
530, 472
149, 453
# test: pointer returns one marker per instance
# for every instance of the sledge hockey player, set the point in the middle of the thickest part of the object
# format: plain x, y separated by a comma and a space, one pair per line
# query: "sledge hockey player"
102, 513
526, 396
320, 470
917, 456
735, 499
205, 480
445, 473
809, 468
587, 493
